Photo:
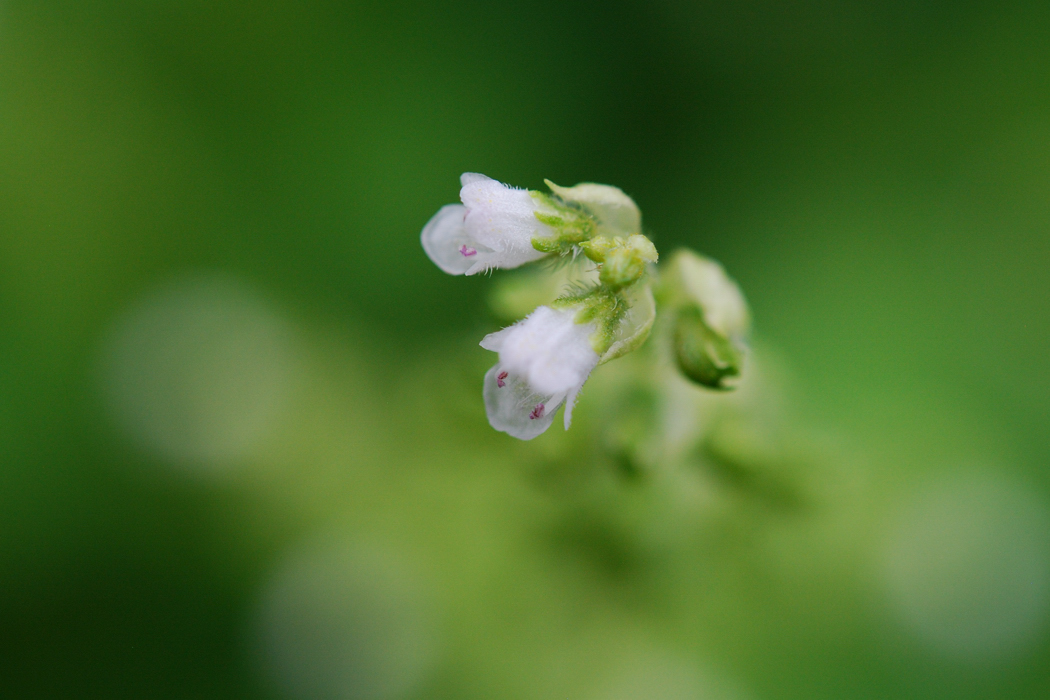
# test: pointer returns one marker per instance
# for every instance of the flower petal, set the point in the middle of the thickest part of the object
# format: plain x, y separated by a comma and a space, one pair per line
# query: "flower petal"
514, 409
446, 242
467, 178
494, 341
502, 219
570, 403
550, 350
505, 260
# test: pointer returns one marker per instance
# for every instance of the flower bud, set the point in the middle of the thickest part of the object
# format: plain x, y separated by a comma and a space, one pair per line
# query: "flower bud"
711, 319
623, 266
702, 354
598, 247
644, 247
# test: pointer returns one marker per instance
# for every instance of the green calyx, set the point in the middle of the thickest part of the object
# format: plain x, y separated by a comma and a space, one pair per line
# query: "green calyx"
603, 307
615, 213
594, 218
623, 260
571, 223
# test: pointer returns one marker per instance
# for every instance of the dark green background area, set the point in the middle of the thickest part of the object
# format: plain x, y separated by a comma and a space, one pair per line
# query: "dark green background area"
876, 175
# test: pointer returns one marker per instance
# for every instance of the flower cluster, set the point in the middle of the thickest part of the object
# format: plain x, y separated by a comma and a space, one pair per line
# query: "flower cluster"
545, 359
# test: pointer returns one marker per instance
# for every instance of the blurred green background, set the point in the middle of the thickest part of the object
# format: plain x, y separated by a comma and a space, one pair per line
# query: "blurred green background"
242, 447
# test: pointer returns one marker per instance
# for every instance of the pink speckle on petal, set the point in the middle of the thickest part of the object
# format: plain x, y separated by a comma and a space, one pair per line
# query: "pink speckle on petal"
499, 379
467, 252
537, 412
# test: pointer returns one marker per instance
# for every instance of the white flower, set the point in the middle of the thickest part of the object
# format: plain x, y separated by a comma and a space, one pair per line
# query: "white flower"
543, 362
493, 228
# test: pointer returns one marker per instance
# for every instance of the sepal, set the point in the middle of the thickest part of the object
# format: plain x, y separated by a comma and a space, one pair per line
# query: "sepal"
615, 212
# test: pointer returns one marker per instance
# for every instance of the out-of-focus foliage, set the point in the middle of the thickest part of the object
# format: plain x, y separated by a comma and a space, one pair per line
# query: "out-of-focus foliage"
242, 447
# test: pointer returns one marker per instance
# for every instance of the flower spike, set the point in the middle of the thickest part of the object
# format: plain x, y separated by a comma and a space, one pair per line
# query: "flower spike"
545, 359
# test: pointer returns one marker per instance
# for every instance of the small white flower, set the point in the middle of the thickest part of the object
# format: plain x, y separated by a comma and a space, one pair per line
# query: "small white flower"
493, 228
543, 362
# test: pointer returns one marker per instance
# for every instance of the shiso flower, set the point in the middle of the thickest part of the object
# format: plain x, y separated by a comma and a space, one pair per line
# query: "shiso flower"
493, 228
544, 361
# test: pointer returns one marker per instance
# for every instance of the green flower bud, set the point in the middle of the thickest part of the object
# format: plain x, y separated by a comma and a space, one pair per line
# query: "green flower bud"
703, 355
623, 266
644, 247
711, 319
598, 247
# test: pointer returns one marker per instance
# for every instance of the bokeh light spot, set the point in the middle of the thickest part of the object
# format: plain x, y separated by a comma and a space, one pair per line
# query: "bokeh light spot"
659, 676
342, 622
197, 372
966, 565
